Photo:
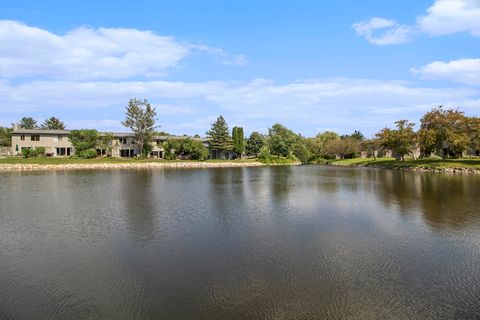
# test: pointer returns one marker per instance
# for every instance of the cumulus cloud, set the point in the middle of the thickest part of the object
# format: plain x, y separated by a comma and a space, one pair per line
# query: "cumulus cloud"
306, 106
442, 18
382, 31
87, 53
463, 71
451, 16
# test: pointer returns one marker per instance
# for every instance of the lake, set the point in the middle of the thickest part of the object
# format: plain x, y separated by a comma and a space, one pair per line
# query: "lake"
300, 242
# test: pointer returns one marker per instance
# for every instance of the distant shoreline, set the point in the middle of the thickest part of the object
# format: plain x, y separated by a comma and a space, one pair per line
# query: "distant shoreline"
422, 165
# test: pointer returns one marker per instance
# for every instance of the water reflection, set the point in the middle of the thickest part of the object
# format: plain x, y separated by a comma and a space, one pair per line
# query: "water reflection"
241, 243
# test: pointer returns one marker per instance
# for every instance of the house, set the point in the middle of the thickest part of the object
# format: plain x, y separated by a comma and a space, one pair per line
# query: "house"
57, 144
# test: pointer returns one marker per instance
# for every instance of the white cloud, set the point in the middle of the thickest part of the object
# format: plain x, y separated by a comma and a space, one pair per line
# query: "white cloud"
349, 104
462, 70
86, 53
451, 16
442, 18
382, 31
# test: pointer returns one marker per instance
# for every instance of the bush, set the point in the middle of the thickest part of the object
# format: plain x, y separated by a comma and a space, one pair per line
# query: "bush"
88, 154
33, 153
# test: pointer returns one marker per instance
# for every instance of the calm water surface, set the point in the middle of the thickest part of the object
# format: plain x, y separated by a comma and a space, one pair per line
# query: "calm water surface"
304, 242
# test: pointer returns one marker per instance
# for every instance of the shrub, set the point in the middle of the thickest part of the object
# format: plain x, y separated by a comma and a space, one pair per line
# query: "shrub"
33, 153
88, 154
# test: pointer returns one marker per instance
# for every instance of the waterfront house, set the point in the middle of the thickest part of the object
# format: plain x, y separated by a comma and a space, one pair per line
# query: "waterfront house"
57, 144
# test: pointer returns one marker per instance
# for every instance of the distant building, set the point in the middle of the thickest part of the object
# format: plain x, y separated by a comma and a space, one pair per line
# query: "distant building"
57, 144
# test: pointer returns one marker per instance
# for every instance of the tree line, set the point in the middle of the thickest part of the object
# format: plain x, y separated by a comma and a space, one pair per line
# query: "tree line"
447, 133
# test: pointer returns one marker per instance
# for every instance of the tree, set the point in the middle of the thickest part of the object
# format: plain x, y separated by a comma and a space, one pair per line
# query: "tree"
140, 118
357, 135
238, 140
53, 124
255, 142
444, 132
301, 152
188, 148
5, 137
219, 136
83, 140
401, 140
105, 143
371, 147
281, 140
28, 123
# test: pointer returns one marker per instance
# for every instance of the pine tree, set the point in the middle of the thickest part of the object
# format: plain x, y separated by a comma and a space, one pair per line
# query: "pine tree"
219, 136
53, 124
238, 140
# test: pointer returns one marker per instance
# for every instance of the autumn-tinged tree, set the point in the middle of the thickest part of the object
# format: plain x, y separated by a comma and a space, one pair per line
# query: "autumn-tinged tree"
140, 117
445, 132
401, 140
53, 123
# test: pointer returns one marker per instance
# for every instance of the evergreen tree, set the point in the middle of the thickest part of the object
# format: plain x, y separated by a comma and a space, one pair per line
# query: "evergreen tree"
28, 123
53, 124
238, 140
219, 136
140, 118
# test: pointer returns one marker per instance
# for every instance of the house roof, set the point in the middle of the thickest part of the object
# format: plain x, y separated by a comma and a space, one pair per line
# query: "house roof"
115, 134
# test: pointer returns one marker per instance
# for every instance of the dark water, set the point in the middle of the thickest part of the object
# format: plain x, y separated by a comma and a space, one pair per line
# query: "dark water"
303, 242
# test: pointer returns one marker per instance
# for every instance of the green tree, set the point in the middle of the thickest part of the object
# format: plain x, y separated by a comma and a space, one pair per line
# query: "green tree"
5, 137
255, 142
53, 123
444, 132
281, 140
83, 140
105, 143
401, 140
371, 146
219, 136
140, 117
238, 140
28, 123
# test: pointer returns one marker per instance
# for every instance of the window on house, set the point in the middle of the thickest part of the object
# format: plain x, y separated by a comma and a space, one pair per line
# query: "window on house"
123, 140
35, 138
22, 138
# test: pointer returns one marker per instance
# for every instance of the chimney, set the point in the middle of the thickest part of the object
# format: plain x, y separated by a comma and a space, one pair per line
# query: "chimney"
15, 127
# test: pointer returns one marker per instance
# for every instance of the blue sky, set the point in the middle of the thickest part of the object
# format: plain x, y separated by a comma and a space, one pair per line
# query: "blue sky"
311, 65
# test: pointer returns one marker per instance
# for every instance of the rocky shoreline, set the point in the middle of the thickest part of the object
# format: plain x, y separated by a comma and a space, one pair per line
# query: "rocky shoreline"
461, 170
146, 165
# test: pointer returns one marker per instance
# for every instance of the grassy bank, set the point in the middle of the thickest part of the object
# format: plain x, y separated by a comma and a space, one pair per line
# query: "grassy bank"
433, 164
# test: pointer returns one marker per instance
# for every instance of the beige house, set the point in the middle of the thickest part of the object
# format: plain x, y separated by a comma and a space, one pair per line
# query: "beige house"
57, 144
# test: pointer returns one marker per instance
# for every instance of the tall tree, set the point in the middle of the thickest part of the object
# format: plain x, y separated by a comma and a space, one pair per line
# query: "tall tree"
28, 123
219, 135
53, 123
281, 140
254, 144
5, 137
105, 143
140, 117
238, 140
444, 132
401, 140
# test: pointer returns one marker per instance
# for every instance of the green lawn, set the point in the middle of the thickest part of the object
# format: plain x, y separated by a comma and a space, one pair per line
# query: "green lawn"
53, 161
409, 163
